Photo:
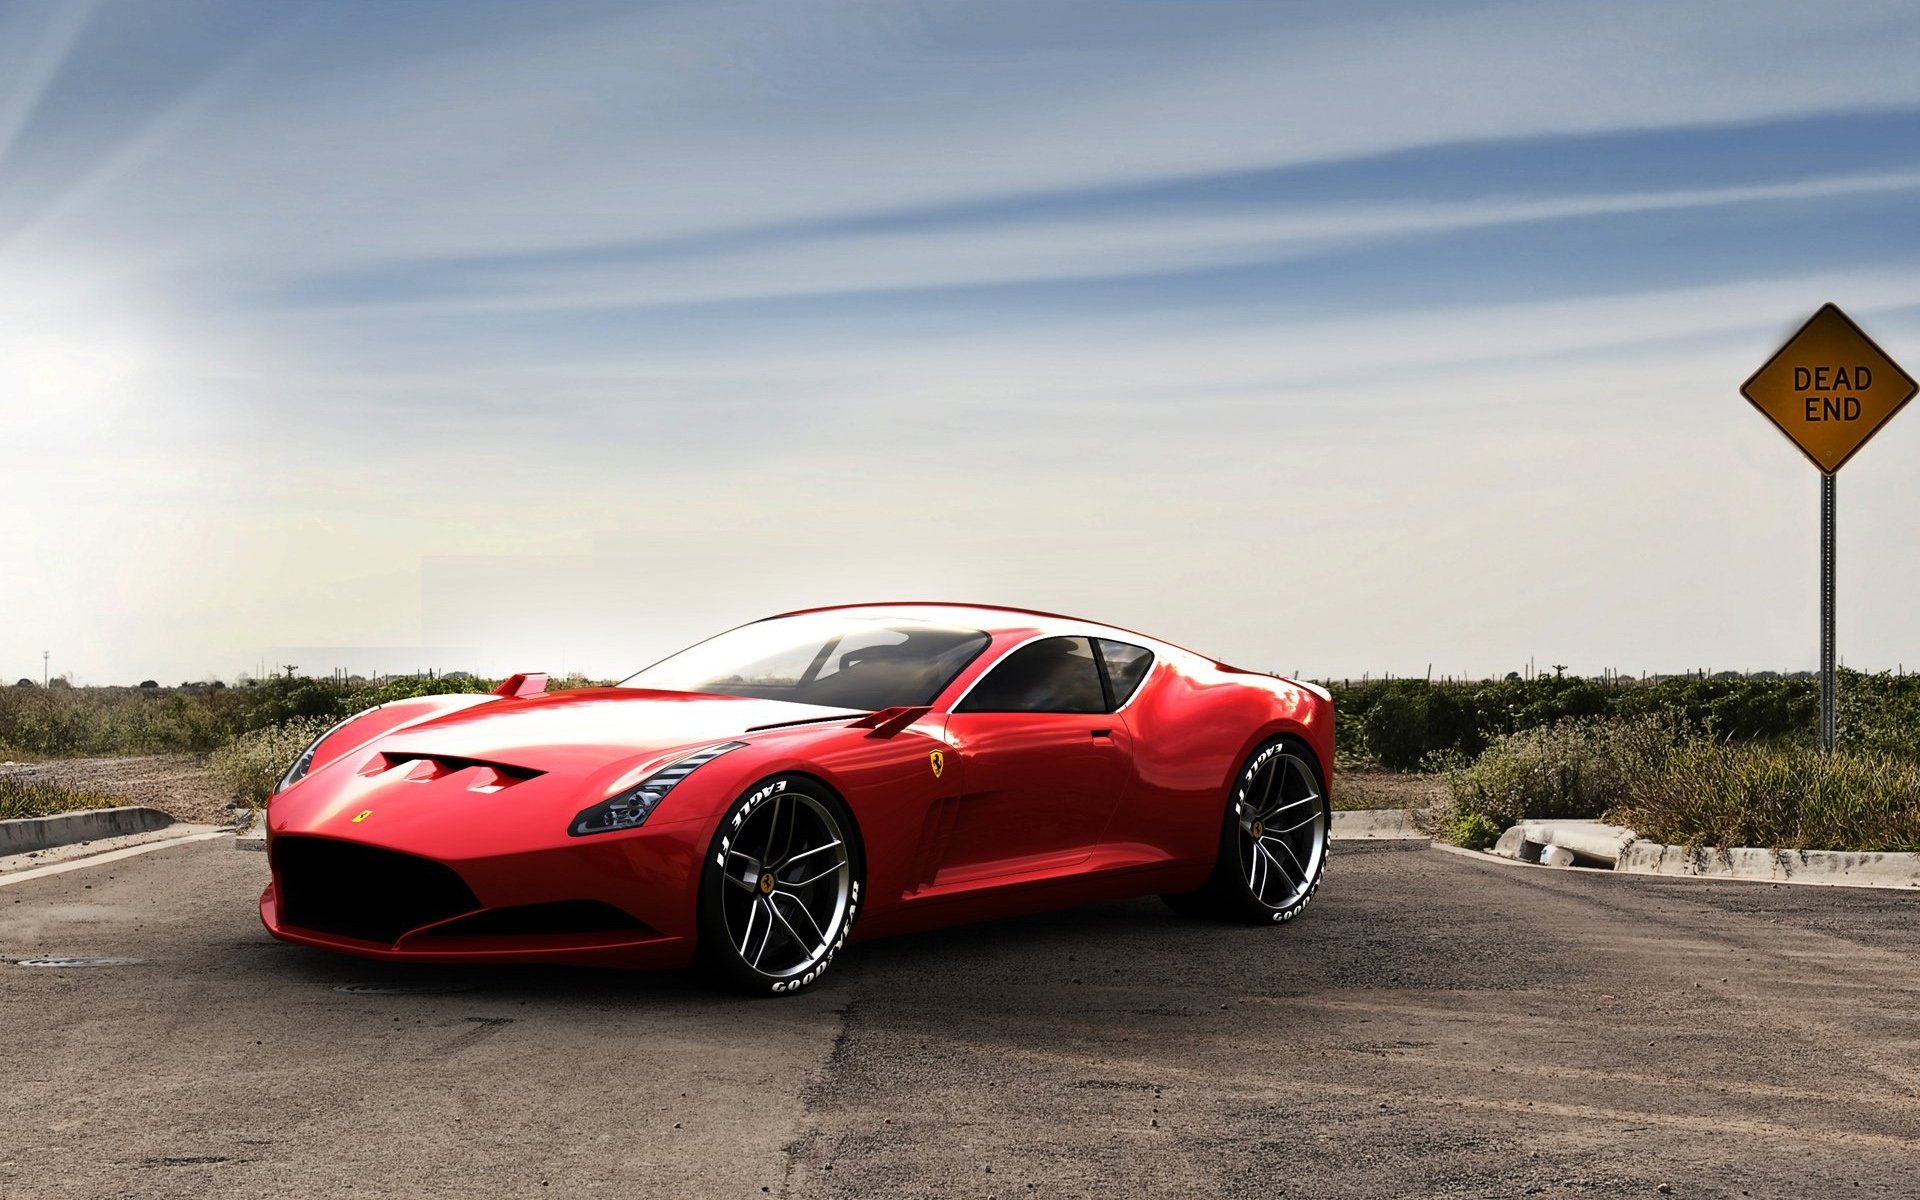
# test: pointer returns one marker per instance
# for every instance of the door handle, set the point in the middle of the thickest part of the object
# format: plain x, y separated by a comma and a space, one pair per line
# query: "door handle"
1103, 733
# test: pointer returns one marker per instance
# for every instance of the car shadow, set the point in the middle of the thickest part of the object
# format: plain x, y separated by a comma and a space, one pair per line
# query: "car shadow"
1075, 940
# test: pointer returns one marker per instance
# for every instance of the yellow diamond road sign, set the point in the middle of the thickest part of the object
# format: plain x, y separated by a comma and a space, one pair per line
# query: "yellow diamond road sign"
1829, 389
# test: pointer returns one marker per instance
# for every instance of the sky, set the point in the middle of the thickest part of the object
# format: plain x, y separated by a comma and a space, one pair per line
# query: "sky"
1323, 338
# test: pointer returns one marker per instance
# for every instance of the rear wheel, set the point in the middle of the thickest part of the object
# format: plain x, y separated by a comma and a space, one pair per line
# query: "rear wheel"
779, 890
1273, 840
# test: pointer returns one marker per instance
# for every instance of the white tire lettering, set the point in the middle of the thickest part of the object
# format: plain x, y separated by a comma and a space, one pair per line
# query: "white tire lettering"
853, 897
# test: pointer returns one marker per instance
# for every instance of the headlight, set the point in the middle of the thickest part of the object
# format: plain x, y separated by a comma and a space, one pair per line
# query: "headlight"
628, 809
304, 763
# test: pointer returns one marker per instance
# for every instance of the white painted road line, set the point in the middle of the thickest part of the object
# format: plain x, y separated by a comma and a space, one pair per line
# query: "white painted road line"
93, 860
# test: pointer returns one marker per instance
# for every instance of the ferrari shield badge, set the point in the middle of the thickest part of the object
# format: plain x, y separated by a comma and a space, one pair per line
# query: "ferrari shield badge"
362, 816
938, 762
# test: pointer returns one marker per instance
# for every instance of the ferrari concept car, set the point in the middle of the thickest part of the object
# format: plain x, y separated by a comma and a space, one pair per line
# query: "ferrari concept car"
749, 804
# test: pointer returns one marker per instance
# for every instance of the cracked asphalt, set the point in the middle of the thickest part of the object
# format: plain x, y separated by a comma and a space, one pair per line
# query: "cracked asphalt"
1432, 1026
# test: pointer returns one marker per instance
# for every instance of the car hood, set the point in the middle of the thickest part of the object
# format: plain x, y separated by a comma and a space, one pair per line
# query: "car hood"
588, 727
503, 776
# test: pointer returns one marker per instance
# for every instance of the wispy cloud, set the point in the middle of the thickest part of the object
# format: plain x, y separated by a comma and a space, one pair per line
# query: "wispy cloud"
1009, 250
302, 298
46, 51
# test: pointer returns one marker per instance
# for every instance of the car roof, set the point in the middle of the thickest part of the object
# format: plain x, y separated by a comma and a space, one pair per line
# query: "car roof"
992, 618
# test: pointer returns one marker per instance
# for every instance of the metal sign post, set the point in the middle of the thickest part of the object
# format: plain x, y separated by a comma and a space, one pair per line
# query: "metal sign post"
1829, 389
1827, 683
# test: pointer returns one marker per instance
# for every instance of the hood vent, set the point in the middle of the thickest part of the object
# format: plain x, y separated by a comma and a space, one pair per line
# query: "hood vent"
427, 768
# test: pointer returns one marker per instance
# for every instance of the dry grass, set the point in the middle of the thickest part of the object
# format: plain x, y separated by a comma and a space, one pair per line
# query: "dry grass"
1774, 797
27, 797
1674, 786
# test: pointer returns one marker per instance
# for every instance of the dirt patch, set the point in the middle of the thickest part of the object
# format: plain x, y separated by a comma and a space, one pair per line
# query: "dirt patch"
177, 784
1387, 789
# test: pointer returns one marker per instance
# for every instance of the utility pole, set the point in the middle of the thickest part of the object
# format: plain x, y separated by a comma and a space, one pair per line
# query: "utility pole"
291, 668
46, 679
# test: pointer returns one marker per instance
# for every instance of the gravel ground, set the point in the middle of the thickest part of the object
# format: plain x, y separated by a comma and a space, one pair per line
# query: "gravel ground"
177, 784
1432, 1026
1386, 789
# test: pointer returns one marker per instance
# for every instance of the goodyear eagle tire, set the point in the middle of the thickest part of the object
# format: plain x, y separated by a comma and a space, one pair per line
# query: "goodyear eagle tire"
1273, 840
779, 890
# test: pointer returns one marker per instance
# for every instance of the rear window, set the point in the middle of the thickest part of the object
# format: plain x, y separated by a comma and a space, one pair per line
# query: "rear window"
1126, 666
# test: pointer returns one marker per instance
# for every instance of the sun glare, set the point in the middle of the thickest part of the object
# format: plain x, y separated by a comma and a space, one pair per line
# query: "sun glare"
69, 359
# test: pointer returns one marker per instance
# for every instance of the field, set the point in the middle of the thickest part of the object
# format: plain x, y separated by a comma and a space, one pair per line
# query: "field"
1473, 755
1357, 786
180, 785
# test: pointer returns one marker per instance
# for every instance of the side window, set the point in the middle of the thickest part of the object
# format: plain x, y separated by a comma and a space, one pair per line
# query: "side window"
1126, 667
1050, 675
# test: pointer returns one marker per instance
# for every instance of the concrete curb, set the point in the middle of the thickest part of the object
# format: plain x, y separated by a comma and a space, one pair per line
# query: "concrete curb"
1374, 824
38, 864
1834, 868
1614, 849
254, 836
40, 833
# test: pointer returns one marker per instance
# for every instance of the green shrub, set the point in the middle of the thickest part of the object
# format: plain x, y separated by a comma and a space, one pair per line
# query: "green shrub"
1474, 830
252, 763
1776, 796
1879, 714
1572, 769
1395, 730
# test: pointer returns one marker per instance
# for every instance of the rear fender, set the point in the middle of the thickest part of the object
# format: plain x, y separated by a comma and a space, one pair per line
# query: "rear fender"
1304, 717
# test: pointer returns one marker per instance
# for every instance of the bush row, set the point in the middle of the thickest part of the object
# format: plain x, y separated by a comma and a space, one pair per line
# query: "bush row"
63, 721
1410, 724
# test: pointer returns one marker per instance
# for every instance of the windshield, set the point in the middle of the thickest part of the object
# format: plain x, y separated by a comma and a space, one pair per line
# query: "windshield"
823, 658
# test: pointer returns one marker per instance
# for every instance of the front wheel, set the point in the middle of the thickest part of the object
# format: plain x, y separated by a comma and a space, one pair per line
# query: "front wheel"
1273, 841
779, 890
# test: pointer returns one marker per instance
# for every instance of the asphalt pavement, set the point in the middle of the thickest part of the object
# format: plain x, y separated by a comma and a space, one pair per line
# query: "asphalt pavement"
1432, 1026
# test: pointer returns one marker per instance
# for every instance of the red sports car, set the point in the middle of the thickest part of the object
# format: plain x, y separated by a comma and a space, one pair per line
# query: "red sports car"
751, 802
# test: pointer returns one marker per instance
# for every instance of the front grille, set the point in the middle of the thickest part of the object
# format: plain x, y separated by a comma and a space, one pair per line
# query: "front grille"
362, 891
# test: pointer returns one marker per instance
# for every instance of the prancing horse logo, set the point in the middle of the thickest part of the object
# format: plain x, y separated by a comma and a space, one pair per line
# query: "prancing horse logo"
363, 816
938, 761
